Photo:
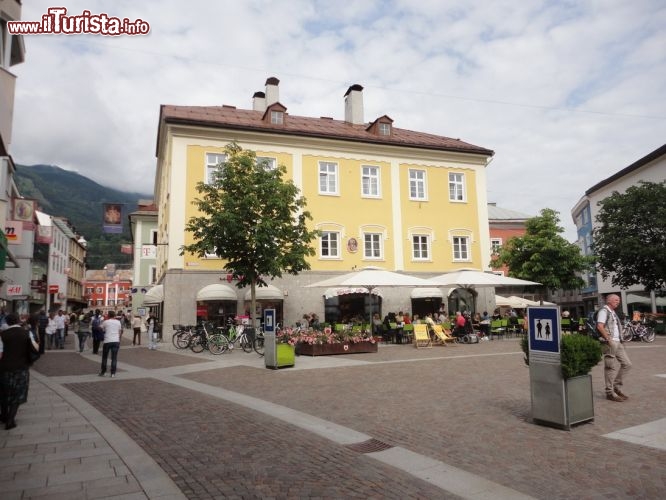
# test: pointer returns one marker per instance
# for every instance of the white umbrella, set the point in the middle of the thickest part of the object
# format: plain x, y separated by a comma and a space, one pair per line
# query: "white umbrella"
513, 301
371, 278
470, 278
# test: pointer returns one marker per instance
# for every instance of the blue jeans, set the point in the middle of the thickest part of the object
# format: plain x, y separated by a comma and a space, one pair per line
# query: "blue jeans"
113, 347
60, 338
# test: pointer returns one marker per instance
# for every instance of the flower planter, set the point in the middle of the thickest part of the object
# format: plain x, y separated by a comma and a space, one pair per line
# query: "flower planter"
330, 349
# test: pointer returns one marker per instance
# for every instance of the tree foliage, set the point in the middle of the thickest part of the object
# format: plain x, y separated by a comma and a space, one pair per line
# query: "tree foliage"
630, 239
542, 255
253, 219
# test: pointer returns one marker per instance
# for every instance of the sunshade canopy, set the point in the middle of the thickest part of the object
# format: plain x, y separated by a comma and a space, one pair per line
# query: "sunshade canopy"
154, 296
469, 278
217, 292
334, 292
269, 292
371, 278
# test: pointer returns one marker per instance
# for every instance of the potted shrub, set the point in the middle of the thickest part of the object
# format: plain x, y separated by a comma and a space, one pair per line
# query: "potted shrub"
573, 382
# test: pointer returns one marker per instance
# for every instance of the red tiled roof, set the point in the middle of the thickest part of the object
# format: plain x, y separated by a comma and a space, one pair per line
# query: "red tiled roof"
245, 119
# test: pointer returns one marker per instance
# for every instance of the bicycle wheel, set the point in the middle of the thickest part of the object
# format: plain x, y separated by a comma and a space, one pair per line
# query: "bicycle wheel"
245, 343
649, 334
181, 339
197, 343
258, 345
218, 343
627, 334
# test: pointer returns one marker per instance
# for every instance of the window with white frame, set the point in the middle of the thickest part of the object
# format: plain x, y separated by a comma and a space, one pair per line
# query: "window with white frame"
370, 181
328, 177
330, 245
99, 289
495, 245
213, 161
153, 237
372, 246
267, 162
384, 129
417, 184
277, 117
456, 187
420, 247
152, 273
460, 248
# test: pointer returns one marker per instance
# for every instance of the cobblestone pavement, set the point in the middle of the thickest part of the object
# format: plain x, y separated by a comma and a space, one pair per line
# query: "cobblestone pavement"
465, 406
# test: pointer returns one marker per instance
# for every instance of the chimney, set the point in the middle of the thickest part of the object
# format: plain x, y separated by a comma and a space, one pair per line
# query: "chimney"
259, 101
354, 105
272, 91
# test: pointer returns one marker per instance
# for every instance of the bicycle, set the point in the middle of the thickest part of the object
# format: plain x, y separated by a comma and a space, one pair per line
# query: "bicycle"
258, 343
236, 334
201, 339
181, 337
636, 330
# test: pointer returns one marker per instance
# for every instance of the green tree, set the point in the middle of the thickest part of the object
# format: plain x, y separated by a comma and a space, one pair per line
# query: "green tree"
252, 218
542, 255
630, 238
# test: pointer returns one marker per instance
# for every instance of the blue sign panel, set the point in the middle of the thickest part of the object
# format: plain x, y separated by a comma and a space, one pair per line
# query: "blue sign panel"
543, 326
269, 321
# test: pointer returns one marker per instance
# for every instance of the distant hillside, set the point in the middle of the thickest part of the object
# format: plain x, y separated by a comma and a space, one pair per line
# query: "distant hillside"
75, 197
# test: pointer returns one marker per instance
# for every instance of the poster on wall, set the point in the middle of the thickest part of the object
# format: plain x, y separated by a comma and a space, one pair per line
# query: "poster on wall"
24, 211
14, 232
113, 216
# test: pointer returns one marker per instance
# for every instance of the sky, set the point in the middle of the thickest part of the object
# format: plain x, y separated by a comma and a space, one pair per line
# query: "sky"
566, 93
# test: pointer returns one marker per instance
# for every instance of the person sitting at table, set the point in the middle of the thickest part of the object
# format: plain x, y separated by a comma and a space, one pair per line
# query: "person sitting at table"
459, 328
377, 325
484, 324
406, 319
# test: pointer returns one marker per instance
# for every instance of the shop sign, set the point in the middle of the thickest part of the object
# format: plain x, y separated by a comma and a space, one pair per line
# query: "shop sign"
14, 290
54, 288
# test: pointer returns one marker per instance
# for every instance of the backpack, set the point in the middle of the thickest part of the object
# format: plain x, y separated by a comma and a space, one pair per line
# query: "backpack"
595, 333
96, 323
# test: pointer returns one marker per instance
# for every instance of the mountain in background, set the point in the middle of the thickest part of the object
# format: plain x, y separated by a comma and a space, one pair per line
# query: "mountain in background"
62, 193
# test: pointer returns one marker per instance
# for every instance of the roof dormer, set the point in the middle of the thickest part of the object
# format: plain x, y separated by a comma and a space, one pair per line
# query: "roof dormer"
382, 127
275, 114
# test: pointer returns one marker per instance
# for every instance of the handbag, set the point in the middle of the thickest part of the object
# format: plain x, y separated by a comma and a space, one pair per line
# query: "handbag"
33, 353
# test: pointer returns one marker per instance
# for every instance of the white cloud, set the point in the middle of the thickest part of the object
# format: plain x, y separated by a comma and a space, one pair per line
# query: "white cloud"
566, 93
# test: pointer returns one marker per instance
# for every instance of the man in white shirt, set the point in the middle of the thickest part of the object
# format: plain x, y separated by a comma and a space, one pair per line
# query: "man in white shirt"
609, 326
113, 331
60, 320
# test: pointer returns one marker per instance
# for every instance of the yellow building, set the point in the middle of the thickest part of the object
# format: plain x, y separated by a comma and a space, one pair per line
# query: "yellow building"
381, 196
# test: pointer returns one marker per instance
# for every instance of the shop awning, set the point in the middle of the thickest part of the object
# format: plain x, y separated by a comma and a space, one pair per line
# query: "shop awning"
334, 292
154, 296
269, 292
427, 293
217, 292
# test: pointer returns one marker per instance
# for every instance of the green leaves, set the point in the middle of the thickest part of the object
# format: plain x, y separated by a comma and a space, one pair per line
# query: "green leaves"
543, 255
252, 218
630, 239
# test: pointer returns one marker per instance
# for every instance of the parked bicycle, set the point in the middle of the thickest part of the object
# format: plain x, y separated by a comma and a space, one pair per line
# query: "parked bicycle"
181, 337
637, 331
237, 335
206, 337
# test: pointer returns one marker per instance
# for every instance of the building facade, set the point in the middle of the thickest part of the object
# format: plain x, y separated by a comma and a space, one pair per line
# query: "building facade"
109, 289
380, 195
652, 168
143, 228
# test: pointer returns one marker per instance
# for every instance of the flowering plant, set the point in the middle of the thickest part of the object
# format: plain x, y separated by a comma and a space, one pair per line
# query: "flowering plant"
327, 336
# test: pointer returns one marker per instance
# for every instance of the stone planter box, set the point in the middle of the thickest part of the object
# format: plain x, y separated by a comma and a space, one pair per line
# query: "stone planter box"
329, 349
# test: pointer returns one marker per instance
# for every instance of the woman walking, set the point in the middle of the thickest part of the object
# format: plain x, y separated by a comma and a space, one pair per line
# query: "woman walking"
14, 369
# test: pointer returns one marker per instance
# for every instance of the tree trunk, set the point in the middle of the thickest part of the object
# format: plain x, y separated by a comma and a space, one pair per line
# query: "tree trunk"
253, 302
